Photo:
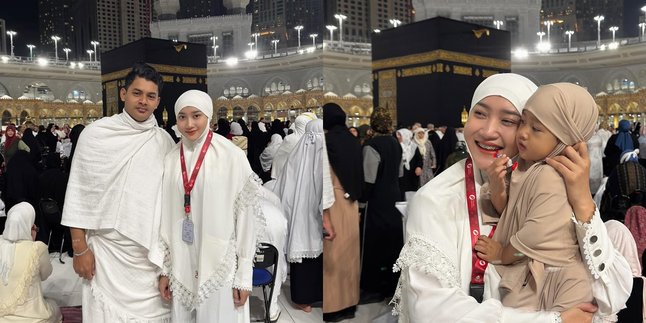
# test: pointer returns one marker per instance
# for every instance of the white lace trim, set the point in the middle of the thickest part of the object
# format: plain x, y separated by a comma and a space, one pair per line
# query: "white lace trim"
217, 278
106, 306
250, 197
556, 317
421, 254
19, 296
297, 256
587, 253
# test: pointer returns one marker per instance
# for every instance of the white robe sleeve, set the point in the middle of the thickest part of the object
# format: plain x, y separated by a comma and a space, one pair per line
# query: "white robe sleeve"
612, 277
249, 227
427, 298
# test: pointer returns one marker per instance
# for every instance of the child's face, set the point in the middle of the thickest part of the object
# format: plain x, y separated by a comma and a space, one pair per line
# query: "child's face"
191, 122
534, 141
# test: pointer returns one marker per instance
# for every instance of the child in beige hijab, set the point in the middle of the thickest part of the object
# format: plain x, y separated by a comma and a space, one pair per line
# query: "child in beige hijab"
535, 246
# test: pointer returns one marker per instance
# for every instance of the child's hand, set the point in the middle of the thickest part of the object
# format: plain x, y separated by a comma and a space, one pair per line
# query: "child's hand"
489, 250
496, 173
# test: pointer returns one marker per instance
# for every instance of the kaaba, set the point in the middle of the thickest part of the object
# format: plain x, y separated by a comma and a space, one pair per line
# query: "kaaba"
427, 71
182, 66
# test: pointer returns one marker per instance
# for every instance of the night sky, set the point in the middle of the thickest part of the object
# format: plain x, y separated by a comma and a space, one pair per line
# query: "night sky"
21, 16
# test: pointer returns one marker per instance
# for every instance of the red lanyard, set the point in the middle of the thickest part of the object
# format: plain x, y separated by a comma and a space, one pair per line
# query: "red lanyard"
478, 265
188, 185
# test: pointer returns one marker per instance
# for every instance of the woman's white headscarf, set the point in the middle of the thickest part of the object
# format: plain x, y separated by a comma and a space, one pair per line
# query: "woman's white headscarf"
236, 129
267, 156
199, 100
17, 228
290, 142
513, 87
408, 147
421, 143
262, 127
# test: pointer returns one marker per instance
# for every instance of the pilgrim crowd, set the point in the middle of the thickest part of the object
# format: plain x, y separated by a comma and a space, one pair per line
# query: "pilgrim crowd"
529, 212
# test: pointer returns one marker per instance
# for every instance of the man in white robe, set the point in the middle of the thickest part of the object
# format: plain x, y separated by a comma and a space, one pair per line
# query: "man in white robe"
112, 207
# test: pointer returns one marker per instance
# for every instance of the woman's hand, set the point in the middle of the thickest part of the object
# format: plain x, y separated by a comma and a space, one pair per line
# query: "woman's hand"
164, 288
574, 165
240, 297
418, 171
581, 314
327, 225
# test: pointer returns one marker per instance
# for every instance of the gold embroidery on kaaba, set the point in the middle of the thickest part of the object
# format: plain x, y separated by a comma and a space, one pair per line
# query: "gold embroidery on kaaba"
440, 54
462, 70
388, 92
161, 68
487, 73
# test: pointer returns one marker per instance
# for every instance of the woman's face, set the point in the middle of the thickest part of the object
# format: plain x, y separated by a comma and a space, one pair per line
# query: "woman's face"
354, 132
491, 129
399, 136
191, 122
10, 133
420, 135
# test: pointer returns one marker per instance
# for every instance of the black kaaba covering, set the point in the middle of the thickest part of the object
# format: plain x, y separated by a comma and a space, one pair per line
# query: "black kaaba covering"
182, 66
427, 71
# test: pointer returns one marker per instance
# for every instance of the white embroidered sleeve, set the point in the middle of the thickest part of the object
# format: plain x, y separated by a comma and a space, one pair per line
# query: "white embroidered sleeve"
429, 288
612, 277
250, 224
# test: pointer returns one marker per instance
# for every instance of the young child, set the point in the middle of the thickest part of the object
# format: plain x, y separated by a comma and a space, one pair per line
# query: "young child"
535, 247
210, 219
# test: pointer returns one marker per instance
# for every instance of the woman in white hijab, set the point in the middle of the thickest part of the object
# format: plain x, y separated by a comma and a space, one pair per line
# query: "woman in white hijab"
412, 160
24, 263
425, 147
267, 156
208, 231
289, 143
438, 270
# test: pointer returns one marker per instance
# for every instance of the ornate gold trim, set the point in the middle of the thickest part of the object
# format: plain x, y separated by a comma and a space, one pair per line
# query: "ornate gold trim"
161, 68
440, 54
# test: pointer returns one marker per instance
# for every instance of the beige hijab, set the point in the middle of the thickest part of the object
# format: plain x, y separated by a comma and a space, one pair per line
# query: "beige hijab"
536, 220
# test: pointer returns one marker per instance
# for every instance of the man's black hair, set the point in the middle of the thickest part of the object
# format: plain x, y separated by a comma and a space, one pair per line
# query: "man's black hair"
145, 71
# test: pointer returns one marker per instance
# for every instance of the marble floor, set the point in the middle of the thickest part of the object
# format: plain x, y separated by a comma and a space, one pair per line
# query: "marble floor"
64, 286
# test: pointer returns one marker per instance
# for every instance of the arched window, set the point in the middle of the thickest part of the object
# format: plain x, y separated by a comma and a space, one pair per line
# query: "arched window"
252, 113
238, 113
222, 113
6, 117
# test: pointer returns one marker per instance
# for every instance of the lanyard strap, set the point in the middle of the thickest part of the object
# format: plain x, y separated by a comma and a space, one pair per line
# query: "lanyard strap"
478, 265
188, 184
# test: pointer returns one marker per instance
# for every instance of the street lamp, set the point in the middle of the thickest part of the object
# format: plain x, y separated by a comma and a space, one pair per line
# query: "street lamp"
67, 54
250, 44
31, 51
56, 39
275, 42
11, 33
395, 22
214, 38
540, 36
642, 25
89, 52
255, 39
340, 18
95, 43
313, 36
599, 19
613, 29
331, 28
298, 30
215, 51
548, 24
569, 34
498, 23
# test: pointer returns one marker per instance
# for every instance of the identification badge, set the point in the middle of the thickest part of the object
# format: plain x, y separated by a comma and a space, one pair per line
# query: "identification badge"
187, 231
